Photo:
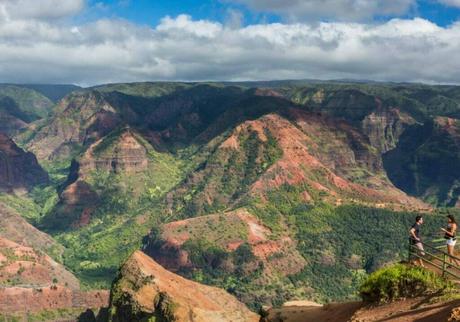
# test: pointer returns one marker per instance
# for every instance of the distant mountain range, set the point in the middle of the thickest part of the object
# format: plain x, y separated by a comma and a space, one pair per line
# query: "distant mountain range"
270, 190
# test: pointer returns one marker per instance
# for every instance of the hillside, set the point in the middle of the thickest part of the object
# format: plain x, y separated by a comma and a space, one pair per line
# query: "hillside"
32, 283
291, 190
19, 170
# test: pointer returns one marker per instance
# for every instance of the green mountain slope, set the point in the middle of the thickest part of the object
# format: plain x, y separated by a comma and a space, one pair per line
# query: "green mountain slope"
224, 180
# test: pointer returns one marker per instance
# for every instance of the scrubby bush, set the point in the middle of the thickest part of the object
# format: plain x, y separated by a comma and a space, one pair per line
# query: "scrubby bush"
400, 281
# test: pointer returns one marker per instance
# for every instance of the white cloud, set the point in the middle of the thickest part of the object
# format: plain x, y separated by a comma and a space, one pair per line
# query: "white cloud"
452, 3
39, 9
183, 49
343, 10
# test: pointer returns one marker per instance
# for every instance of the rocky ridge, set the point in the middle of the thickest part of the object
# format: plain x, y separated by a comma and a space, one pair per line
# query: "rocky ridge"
145, 290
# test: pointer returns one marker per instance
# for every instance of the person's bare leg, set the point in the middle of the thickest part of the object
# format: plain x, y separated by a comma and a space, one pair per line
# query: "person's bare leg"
420, 262
451, 251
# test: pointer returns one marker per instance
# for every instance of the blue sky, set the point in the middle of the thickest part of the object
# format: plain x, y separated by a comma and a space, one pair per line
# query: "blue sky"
90, 42
150, 12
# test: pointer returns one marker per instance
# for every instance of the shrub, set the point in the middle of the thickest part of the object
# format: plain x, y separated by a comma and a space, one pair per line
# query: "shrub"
400, 281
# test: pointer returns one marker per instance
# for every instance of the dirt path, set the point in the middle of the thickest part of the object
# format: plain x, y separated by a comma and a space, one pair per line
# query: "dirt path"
328, 313
410, 310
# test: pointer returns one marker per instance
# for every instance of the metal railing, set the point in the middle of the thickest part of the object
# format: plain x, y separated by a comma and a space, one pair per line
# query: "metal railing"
435, 256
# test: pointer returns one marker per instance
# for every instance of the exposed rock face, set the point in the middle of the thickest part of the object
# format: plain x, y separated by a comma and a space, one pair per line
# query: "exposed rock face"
18, 169
384, 127
145, 289
124, 155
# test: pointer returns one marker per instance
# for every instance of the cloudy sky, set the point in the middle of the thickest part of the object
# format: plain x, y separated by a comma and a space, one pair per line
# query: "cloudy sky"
91, 42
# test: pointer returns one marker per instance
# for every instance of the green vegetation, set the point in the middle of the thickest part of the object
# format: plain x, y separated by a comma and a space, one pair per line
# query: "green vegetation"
143, 89
194, 175
225, 175
341, 244
128, 206
401, 281
26, 104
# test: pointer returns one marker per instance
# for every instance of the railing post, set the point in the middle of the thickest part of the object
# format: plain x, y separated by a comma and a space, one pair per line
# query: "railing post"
409, 258
443, 265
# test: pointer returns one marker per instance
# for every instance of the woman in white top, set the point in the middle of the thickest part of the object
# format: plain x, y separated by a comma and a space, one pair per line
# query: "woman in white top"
451, 237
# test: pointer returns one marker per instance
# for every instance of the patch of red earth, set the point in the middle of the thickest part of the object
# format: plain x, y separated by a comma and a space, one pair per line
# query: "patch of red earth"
257, 231
30, 273
287, 170
40, 283
449, 125
177, 239
231, 143
306, 196
268, 92
28, 267
312, 312
17, 299
78, 193
85, 218
265, 249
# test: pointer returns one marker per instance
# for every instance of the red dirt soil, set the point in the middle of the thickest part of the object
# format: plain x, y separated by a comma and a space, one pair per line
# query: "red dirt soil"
409, 310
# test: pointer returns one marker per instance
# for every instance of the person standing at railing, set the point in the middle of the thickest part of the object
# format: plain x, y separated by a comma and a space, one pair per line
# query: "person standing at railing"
451, 236
416, 240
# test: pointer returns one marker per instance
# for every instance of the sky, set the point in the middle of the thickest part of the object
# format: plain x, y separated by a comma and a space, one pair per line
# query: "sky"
89, 42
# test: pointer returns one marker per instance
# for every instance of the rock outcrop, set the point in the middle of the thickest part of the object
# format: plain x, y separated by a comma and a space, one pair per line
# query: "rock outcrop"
122, 152
384, 128
18, 169
144, 289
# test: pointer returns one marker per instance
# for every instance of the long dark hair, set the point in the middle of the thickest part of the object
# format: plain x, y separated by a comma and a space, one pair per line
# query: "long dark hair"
452, 219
